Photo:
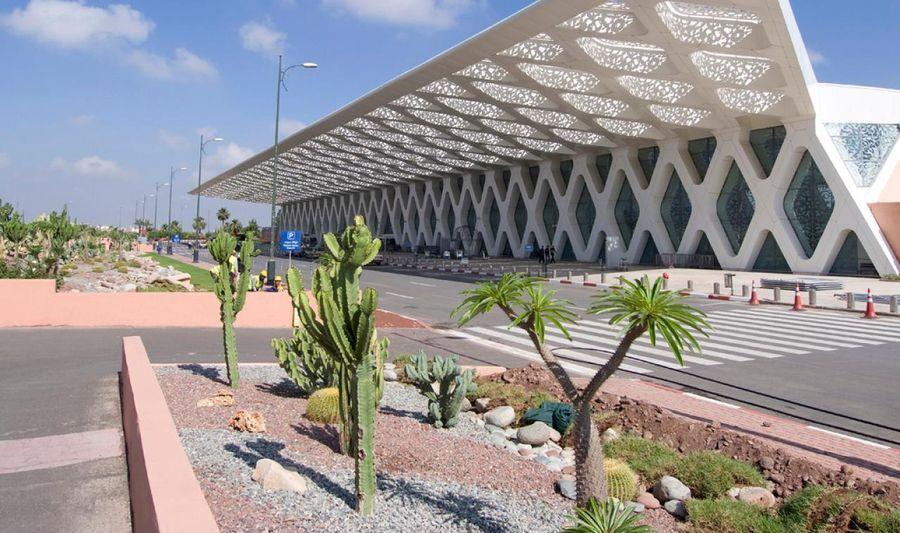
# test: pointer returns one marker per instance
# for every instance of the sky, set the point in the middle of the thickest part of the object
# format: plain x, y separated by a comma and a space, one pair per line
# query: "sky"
98, 100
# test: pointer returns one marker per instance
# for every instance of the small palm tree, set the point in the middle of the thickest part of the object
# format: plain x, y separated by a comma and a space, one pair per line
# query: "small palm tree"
639, 306
223, 215
199, 225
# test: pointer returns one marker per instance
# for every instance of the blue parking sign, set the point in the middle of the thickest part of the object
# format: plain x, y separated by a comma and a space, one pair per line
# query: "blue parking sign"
176, 238
290, 240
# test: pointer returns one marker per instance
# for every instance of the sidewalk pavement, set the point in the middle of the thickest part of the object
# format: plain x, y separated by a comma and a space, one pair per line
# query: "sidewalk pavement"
827, 448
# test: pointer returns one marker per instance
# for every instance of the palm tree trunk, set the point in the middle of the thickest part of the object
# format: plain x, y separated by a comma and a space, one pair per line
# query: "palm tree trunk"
590, 476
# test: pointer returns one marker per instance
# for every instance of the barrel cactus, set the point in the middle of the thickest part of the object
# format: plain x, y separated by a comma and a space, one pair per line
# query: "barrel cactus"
621, 480
324, 406
231, 279
344, 326
445, 385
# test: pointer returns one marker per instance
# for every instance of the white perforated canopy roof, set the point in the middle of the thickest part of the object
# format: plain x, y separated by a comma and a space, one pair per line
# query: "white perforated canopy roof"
560, 77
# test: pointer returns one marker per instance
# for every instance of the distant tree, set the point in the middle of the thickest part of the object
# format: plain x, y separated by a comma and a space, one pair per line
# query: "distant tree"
199, 224
252, 226
223, 215
235, 227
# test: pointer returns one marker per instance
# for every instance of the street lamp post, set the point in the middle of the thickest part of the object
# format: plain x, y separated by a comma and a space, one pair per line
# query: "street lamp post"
156, 204
171, 186
203, 144
282, 72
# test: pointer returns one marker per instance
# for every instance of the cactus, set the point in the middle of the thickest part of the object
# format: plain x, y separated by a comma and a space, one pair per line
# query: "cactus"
305, 362
230, 287
444, 400
620, 479
344, 327
324, 406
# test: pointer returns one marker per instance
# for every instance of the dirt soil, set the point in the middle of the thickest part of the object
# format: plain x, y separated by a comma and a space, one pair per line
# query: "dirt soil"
788, 475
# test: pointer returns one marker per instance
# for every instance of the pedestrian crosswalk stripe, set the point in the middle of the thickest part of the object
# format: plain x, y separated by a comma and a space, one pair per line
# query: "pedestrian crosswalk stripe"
510, 336
784, 326
887, 324
858, 326
524, 354
604, 329
723, 328
667, 361
807, 328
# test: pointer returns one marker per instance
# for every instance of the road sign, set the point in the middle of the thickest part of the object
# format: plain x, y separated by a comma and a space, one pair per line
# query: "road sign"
290, 240
176, 238
529, 248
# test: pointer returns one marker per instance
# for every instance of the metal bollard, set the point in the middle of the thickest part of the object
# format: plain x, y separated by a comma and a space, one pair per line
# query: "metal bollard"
585, 277
554, 272
776, 294
717, 288
690, 285
665, 284
851, 301
812, 297
502, 268
603, 278
745, 290
893, 302
569, 276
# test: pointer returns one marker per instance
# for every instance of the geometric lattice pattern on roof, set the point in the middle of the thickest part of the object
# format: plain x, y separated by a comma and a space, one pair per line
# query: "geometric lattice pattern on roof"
540, 48
864, 147
620, 55
595, 105
706, 24
603, 19
560, 78
658, 90
749, 100
729, 68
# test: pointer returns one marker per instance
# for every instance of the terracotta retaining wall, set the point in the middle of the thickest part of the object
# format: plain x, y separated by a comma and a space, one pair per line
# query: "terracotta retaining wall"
35, 302
165, 493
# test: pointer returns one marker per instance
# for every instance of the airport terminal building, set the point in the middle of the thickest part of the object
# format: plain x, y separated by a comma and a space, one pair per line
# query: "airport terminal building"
618, 131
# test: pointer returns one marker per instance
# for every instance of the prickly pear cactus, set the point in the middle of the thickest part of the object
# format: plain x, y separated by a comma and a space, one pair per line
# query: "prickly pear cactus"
621, 481
230, 287
444, 384
345, 328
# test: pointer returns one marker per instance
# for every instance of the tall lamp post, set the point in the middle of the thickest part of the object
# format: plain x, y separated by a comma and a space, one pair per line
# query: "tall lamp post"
203, 144
171, 186
156, 204
282, 72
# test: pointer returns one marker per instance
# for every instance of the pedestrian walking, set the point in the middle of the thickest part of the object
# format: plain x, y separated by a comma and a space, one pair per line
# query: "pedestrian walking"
542, 255
552, 254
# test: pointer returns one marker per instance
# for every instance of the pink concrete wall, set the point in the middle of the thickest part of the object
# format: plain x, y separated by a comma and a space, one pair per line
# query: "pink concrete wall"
165, 493
888, 217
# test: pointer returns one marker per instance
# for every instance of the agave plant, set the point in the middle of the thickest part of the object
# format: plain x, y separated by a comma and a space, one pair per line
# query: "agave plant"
607, 516
639, 306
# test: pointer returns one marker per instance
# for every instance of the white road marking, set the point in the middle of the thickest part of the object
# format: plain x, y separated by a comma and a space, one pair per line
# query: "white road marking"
643, 345
856, 325
421, 284
631, 354
399, 295
578, 369
710, 400
856, 439
725, 329
785, 327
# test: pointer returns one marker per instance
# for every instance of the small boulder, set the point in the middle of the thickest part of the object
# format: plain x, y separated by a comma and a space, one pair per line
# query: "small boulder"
223, 398
536, 434
481, 405
272, 476
500, 416
249, 421
567, 488
609, 435
647, 500
670, 488
465, 406
757, 496
676, 508
390, 372
767, 463
635, 507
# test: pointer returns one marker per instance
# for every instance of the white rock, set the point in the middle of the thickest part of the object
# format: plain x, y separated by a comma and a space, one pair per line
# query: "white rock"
500, 416
670, 488
481, 405
757, 496
272, 476
676, 508
536, 434
465, 406
609, 435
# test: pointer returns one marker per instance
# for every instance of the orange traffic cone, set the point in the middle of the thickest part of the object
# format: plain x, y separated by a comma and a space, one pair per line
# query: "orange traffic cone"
870, 305
754, 299
798, 302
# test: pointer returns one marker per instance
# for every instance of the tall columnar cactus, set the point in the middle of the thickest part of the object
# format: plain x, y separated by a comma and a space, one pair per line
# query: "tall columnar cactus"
445, 401
231, 288
345, 327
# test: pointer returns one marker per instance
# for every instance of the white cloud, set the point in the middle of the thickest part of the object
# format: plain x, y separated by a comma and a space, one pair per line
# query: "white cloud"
290, 126
173, 140
4, 160
817, 58
226, 156
91, 166
82, 120
426, 13
184, 66
262, 38
72, 24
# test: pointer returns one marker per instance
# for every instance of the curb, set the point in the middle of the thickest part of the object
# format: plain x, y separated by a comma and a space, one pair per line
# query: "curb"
165, 494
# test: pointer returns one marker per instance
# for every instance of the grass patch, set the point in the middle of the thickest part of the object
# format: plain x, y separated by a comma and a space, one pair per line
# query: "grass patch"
200, 277
515, 396
711, 474
728, 516
818, 508
400, 363
162, 285
651, 460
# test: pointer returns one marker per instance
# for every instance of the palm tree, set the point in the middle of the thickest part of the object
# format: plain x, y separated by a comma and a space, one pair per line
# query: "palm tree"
253, 226
638, 306
223, 215
199, 225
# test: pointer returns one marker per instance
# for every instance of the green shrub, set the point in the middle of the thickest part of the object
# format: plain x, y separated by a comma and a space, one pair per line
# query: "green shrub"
729, 516
515, 396
651, 460
162, 285
98, 270
324, 406
605, 517
120, 264
817, 508
711, 474
134, 263
122, 269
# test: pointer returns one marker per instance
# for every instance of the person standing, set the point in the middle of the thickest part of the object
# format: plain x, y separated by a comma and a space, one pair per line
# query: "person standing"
552, 254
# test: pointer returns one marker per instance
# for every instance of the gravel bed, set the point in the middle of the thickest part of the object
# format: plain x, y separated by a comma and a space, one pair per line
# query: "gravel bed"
225, 461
